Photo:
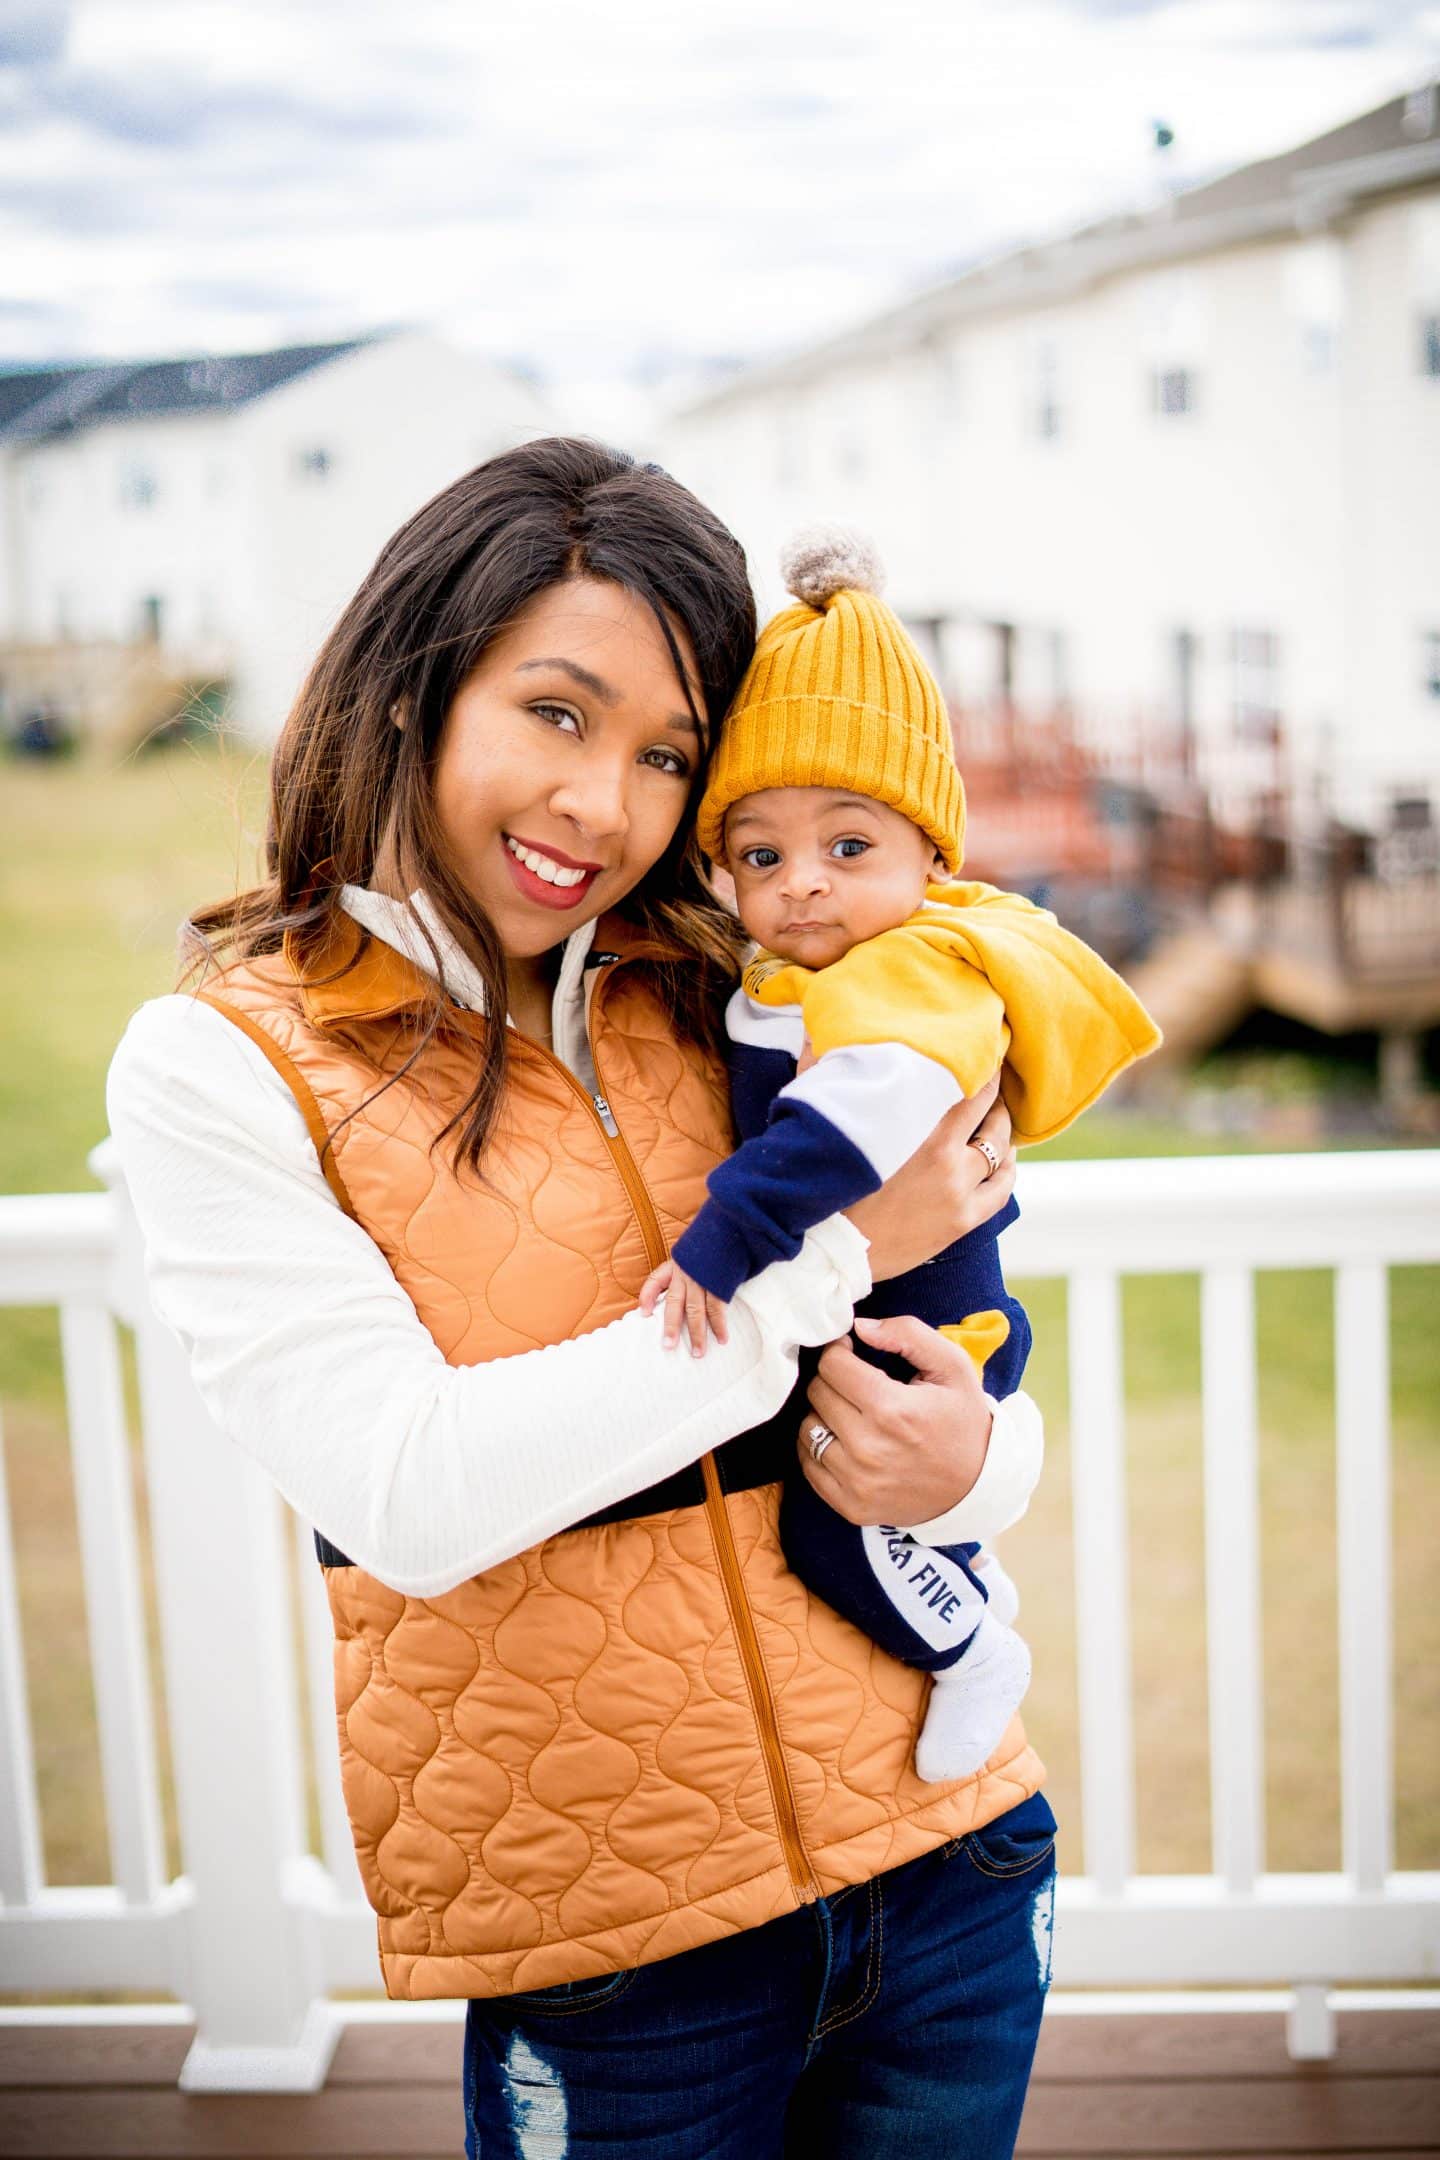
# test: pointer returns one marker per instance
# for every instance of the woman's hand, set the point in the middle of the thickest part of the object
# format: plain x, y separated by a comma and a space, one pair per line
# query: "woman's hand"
902, 1452
945, 1189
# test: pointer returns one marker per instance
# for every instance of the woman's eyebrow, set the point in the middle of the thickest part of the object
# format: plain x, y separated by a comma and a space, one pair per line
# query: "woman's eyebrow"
582, 675
599, 688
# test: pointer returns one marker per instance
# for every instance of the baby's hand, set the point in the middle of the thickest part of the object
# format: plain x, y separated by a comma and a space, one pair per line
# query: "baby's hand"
685, 1302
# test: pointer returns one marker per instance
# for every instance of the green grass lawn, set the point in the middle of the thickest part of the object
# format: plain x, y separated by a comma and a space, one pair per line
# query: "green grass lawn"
97, 867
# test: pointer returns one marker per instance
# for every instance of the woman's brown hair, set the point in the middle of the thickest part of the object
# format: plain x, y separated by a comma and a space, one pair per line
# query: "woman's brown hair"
346, 778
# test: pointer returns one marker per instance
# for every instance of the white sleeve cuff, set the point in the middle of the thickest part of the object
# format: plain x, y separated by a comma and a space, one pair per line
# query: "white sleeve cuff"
812, 1298
1008, 1476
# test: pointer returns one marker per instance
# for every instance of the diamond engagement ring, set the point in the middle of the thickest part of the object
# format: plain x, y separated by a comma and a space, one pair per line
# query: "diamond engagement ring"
819, 1437
990, 1152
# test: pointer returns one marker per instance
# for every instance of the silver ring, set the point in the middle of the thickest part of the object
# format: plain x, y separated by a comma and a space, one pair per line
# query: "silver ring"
990, 1152
819, 1437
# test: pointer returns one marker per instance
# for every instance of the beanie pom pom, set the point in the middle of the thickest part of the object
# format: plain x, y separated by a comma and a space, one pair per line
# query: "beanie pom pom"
826, 559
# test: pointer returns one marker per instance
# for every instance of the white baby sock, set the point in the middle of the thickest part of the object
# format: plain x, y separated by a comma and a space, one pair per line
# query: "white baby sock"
1004, 1597
971, 1703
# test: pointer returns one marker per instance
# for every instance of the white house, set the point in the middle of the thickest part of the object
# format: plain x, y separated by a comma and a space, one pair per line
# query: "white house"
1178, 469
225, 507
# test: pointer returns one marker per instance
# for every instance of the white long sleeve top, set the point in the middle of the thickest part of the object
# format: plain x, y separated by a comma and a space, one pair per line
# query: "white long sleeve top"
307, 1352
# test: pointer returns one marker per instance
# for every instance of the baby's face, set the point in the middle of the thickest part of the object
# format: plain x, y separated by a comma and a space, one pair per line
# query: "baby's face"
818, 870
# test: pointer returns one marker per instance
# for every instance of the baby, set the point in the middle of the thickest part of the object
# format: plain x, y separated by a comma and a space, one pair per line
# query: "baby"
883, 994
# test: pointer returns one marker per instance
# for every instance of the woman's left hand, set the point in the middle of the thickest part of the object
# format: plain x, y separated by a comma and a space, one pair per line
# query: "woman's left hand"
903, 1452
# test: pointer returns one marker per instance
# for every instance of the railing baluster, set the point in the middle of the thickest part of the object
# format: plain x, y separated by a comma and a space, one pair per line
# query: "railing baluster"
22, 1860
1232, 1576
1102, 1579
336, 1841
105, 1516
1362, 1479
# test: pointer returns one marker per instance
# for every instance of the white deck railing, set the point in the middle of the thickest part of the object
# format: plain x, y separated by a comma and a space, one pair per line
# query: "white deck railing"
259, 1928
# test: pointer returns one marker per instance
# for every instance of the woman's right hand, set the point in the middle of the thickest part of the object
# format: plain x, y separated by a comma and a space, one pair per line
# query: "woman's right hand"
945, 1189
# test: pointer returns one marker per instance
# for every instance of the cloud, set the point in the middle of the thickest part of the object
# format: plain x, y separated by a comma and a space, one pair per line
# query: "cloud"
172, 109
591, 189
32, 31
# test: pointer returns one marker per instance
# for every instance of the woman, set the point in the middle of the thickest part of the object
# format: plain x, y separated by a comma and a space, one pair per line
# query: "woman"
613, 1775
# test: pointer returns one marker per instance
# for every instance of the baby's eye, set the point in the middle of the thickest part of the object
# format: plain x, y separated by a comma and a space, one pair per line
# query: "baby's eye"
850, 850
559, 716
761, 858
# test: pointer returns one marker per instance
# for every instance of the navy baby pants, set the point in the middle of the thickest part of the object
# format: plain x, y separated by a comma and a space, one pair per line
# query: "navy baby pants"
921, 1603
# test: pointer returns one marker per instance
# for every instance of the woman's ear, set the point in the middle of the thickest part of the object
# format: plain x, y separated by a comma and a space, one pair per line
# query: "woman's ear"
398, 713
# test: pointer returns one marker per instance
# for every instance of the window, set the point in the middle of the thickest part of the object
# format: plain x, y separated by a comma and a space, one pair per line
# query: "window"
790, 461
1045, 389
1174, 323
313, 463
849, 456
1058, 657
1314, 289
1255, 679
1173, 391
1319, 347
1423, 230
940, 390
152, 618
1431, 643
138, 489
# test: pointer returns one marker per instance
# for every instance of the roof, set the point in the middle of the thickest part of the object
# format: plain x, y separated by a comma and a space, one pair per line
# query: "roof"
1302, 190
50, 401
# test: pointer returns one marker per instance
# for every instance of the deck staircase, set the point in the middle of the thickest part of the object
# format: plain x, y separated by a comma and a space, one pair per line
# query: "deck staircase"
1199, 987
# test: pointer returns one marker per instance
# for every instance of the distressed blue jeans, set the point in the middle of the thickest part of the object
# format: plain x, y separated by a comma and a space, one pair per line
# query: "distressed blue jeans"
899, 2011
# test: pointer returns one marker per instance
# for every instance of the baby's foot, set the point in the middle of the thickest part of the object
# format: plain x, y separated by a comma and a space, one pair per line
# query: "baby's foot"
1004, 1597
971, 1703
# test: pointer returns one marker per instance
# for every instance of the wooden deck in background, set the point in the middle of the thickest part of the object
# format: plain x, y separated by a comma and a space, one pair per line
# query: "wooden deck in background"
1214, 2085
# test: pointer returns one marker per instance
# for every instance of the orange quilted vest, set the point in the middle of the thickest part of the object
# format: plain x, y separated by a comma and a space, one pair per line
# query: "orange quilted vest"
645, 1733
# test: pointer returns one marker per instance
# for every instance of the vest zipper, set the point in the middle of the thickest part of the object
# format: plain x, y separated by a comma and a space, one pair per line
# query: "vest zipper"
762, 1701
803, 1878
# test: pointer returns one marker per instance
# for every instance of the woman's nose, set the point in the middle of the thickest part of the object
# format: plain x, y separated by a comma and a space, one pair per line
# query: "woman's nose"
594, 800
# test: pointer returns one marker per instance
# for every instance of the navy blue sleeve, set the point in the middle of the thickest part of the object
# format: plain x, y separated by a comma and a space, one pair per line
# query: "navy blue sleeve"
773, 1189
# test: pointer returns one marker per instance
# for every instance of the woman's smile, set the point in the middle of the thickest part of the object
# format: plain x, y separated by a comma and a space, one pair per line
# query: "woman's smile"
547, 876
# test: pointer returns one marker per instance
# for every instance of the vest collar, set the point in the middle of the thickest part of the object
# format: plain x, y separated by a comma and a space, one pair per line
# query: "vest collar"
340, 982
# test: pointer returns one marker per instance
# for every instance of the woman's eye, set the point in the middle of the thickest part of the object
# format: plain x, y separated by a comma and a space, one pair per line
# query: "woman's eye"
559, 716
850, 850
668, 761
760, 858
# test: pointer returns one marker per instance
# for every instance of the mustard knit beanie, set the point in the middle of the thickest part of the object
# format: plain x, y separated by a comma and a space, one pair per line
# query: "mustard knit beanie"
837, 696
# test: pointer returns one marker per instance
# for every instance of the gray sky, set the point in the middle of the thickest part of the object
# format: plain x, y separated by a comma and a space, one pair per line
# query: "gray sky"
603, 189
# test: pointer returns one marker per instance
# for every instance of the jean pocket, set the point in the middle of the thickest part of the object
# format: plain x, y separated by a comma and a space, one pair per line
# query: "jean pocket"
571, 1998
1015, 1842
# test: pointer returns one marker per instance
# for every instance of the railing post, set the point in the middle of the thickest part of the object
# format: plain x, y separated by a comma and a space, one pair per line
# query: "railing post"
253, 1975
1102, 1579
1362, 1464
1232, 1576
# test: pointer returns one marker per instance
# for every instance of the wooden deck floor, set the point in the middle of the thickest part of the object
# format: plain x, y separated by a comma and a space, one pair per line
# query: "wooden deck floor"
1200, 2084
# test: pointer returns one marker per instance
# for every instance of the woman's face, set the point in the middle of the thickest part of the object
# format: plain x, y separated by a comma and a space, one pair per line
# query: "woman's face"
566, 762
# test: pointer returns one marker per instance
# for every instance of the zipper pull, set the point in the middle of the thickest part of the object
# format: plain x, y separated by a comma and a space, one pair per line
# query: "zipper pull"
603, 1107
